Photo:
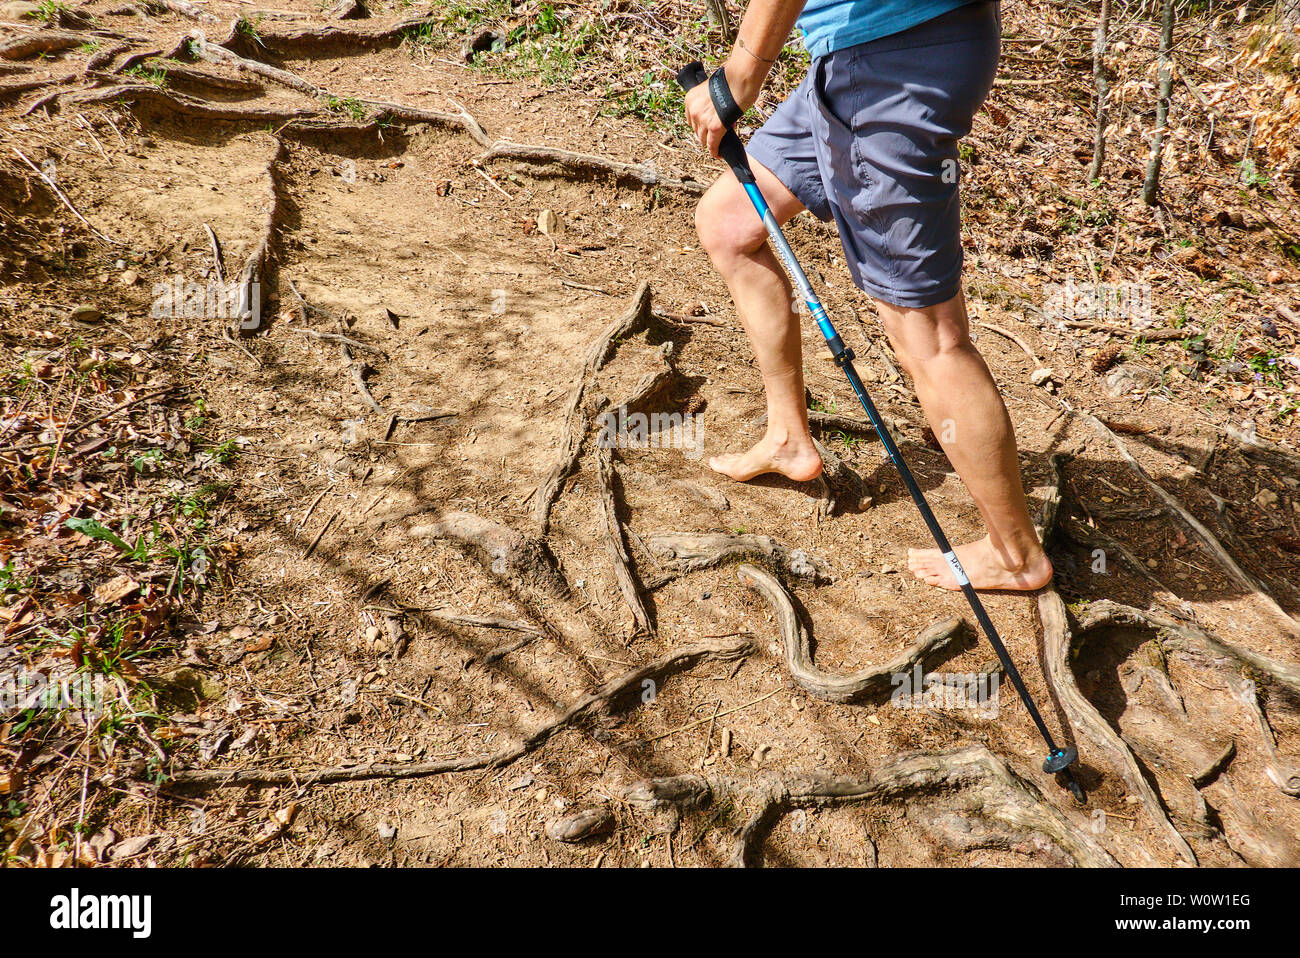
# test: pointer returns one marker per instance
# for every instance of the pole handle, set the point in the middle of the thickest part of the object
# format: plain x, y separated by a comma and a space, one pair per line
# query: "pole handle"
730, 149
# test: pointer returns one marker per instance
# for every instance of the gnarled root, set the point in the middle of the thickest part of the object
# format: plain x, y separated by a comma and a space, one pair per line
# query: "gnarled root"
876, 680
974, 778
1087, 721
578, 417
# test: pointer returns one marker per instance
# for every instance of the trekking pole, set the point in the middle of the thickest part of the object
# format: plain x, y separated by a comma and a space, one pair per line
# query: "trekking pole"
731, 150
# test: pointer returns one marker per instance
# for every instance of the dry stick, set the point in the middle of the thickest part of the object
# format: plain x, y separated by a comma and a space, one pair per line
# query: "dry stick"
312, 508
1216, 549
715, 716
1014, 338
321, 535
797, 648
530, 632
59, 193
1150, 335
63, 434
338, 338
575, 419
603, 698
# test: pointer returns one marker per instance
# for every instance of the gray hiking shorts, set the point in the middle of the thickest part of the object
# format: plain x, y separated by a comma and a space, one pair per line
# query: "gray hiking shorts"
870, 139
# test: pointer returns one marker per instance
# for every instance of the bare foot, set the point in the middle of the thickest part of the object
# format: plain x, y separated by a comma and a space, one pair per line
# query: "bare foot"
795, 459
983, 566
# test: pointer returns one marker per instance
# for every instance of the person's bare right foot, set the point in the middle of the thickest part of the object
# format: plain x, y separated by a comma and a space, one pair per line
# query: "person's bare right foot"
985, 568
795, 459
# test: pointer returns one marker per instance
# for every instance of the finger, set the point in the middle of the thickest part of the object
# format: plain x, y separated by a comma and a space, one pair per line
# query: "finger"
714, 140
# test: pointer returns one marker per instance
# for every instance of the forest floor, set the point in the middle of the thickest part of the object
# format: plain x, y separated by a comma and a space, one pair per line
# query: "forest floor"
356, 583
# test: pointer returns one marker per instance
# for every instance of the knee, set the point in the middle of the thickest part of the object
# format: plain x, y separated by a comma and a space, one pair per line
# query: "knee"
727, 225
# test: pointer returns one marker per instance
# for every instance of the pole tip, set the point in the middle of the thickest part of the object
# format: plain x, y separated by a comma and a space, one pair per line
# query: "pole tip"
1060, 759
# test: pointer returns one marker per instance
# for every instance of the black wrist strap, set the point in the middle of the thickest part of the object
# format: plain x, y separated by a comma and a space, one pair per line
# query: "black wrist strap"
728, 110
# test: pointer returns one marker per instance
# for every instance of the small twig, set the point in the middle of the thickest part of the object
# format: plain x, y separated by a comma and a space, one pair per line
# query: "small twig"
492, 183
320, 535
59, 193
715, 716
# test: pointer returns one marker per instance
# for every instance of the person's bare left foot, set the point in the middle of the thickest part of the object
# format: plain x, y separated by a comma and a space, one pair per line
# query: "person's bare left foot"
985, 568
794, 457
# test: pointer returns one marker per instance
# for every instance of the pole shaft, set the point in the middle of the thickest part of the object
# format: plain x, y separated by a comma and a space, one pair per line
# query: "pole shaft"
845, 359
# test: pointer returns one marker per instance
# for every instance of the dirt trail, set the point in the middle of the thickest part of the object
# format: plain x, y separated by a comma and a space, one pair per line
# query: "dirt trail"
452, 301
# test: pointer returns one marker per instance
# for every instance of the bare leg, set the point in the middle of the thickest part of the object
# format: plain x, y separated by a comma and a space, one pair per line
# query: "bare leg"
736, 242
962, 404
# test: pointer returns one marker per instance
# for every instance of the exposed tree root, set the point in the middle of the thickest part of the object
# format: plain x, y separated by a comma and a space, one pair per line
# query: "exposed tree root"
838, 479
601, 700
524, 566
873, 681
1087, 722
1105, 612
1082, 715
1243, 578
577, 417
253, 275
614, 545
183, 75
974, 778
1285, 775
347, 34
644, 174
184, 105
217, 53
46, 41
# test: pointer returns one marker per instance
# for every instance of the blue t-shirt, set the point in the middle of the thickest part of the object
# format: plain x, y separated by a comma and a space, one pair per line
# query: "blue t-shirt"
830, 25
